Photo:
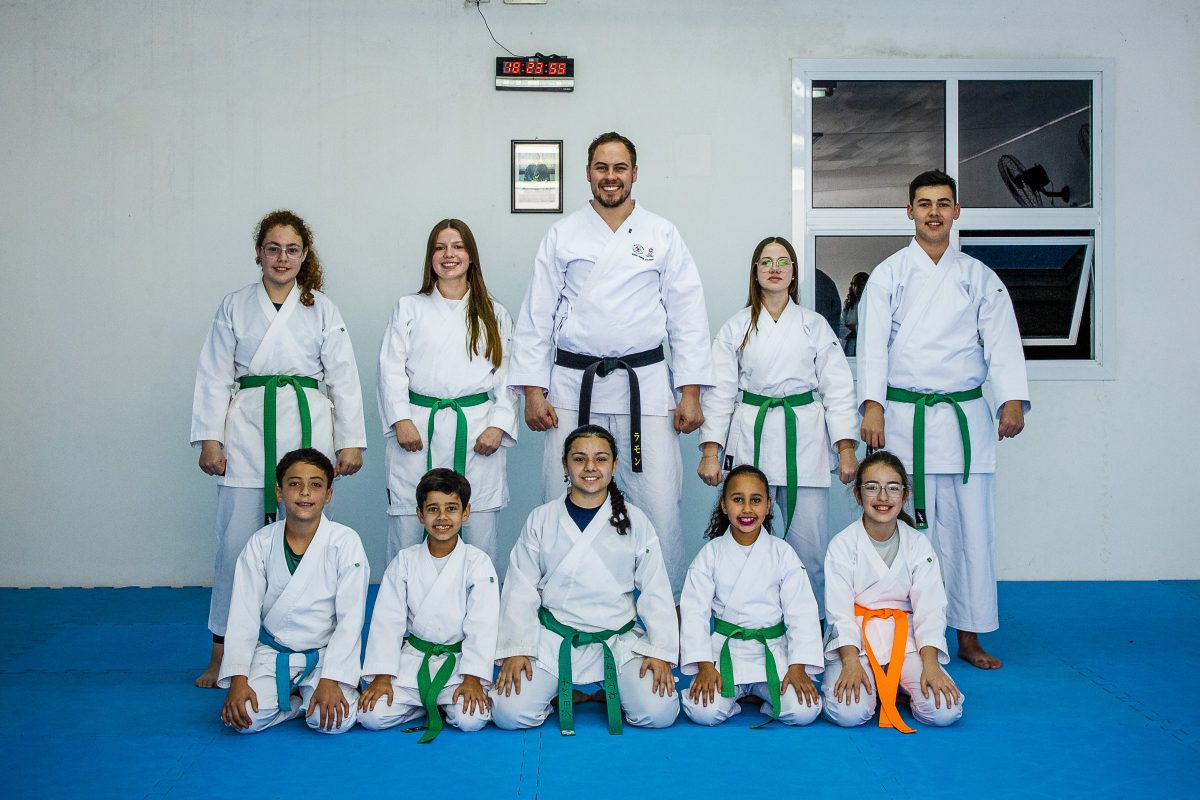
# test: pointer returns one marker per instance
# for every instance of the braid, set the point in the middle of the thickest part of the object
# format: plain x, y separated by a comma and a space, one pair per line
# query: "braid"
620, 515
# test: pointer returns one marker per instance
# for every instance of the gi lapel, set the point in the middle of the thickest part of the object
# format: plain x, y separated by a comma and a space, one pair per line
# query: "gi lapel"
298, 584
918, 309
277, 337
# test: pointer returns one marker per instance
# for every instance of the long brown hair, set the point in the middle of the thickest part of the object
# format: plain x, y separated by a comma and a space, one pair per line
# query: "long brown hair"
481, 316
310, 278
754, 298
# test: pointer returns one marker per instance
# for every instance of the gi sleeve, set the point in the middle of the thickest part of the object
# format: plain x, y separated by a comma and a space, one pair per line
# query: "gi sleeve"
215, 382
655, 603
482, 619
533, 338
519, 598
341, 661
389, 622
341, 380
928, 598
835, 385
393, 368
1002, 349
720, 399
874, 331
245, 609
841, 626
503, 412
800, 615
695, 612
687, 316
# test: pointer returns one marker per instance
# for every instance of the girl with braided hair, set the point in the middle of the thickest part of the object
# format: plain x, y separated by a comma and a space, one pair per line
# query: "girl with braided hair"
568, 615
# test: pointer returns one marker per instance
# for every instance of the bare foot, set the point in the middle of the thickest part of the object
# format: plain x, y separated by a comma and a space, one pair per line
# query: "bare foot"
971, 651
208, 678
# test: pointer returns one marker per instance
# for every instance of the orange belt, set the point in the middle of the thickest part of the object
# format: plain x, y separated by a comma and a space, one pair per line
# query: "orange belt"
887, 683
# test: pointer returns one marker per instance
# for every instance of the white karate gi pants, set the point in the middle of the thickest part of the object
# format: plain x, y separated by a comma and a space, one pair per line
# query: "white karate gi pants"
850, 714
406, 706
405, 530
655, 490
962, 528
239, 515
642, 706
262, 681
794, 711
808, 534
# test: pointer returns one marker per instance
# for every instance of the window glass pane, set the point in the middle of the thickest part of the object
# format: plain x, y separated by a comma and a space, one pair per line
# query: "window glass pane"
839, 259
870, 138
1049, 280
1025, 144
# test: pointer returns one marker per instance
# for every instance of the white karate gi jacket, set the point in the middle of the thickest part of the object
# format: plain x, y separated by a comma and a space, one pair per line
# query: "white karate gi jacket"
942, 327
854, 573
586, 579
459, 604
321, 606
797, 353
754, 591
425, 349
249, 337
604, 293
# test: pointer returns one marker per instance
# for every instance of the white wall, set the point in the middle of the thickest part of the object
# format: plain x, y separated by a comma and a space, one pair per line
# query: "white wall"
141, 141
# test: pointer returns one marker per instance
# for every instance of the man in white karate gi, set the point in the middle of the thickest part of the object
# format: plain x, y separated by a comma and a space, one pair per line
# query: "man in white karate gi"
934, 325
610, 283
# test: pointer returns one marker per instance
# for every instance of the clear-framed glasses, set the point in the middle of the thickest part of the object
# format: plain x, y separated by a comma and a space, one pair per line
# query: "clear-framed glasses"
275, 251
873, 488
780, 264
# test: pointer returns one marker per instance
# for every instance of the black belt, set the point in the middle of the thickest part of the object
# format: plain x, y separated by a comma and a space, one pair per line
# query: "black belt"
595, 365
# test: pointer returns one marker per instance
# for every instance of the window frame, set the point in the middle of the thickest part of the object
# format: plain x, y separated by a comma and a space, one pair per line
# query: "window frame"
808, 222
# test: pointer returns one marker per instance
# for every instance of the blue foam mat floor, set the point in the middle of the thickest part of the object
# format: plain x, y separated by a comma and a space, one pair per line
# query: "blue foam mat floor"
1095, 699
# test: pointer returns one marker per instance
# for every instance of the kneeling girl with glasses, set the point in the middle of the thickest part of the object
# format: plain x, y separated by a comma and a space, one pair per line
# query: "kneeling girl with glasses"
886, 611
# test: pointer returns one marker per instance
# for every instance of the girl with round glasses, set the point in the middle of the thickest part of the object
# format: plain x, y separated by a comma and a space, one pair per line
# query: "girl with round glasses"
886, 611
258, 396
796, 418
443, 398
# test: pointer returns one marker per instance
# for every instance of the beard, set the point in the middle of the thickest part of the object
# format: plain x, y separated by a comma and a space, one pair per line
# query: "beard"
620, 199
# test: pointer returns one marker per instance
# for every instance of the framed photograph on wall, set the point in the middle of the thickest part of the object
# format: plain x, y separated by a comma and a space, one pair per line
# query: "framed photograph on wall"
536, 176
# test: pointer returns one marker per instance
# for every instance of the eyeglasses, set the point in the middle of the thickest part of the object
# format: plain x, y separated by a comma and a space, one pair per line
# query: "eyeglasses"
873, 488
779, 263
275, 251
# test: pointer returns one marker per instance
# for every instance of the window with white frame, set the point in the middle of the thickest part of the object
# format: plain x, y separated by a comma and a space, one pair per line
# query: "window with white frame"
1027, 143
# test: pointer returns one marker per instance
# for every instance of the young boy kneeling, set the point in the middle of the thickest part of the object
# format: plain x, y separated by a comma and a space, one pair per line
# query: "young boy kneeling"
433, 632
295, 622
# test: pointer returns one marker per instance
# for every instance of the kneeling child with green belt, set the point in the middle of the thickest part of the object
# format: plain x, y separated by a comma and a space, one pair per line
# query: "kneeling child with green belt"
433, 631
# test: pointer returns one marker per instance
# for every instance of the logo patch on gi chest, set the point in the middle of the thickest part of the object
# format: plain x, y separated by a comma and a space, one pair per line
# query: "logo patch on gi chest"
644, 253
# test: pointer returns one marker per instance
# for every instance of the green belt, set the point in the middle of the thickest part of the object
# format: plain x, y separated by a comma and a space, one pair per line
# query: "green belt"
921, 401
731, 631
272, 383
436, 404
765, 404
576, 638
429, 688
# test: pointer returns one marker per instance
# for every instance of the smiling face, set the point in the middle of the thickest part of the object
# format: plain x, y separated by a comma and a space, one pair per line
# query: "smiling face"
746, 503
450, 258
281, 255
881, 494
611, 174
589, 464
304, 492
934, 210
443, 515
